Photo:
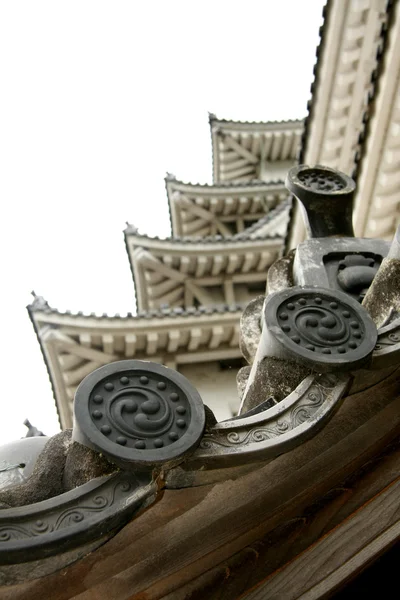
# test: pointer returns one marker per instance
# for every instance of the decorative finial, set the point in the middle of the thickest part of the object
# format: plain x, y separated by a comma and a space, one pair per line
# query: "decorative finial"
131, 228
32, 430
39, 303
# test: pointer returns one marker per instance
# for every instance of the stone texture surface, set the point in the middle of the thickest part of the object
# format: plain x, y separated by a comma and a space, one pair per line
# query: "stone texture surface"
280, 274
61, 466
276, 378
46, 480
250, 328
241, 380
382, 300
83, 464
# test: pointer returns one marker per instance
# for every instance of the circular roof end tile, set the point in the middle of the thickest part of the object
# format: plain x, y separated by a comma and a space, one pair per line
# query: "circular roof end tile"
318, 327
139, 414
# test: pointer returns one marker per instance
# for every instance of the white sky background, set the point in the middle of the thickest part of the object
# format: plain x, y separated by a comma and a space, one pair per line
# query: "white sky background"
98, 100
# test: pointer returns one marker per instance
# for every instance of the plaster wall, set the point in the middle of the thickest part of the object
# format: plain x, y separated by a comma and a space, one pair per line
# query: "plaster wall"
216, 386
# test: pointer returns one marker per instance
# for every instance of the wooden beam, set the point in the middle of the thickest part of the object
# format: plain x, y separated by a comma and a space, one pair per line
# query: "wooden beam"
244, 202
200, 293
108, 343
188, 296
173, 298
208, 216
130, 344
76, 376
238, 164
240, 150
268, 138
195, 339
153, 277
202, 262
150, 262
229, 292
265, 260
229, 206
64, 342
69, 361
340, 555
276, 146
218, 264
85, 339
240, 225
174, 338
286, 151
217, 333
249, 259
158, 291
239, 174
167, 260
152, 342
193, 227
255, 144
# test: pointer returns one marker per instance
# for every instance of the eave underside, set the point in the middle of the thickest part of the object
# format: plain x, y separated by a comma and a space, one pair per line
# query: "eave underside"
168, 273
227, 210
74, 345
253, 151
377, 203
345, 80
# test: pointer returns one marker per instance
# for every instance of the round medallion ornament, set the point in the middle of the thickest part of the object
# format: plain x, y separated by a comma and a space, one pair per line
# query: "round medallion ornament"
138, 413
320, 327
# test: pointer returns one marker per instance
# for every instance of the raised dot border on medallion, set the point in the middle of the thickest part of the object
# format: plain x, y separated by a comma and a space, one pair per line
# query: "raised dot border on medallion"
139, 414
318, 327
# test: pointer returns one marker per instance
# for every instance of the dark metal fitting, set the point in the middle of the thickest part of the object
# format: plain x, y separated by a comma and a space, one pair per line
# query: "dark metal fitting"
327, 197
345, 264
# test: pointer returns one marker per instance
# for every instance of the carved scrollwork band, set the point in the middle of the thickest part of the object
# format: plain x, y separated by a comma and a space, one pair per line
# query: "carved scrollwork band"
66, 521
278, 429
387, 349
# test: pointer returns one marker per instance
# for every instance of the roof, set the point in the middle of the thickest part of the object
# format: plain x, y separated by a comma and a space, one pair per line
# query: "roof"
242, 150
274, 222
377, 200
185, 272
225, 209
74, 345
347, 55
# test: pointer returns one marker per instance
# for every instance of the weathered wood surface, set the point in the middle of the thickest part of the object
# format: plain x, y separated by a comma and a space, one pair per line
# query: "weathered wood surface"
340, 555
219, 540
273, 553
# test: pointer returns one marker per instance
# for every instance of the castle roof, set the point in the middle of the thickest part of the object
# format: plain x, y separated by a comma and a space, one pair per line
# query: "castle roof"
221, 209
191, 287
377, 203
347, 80
74, 345
198, 271
242, 149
